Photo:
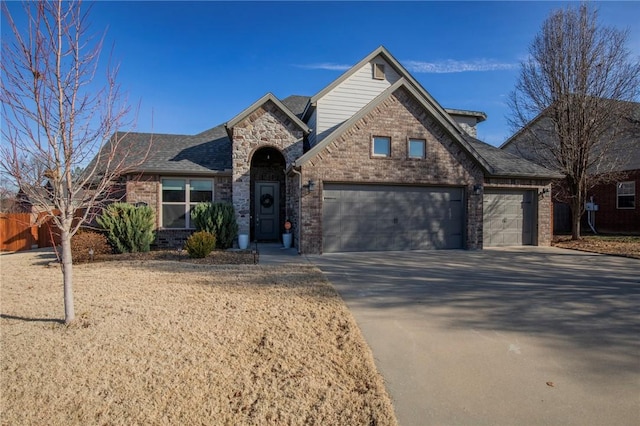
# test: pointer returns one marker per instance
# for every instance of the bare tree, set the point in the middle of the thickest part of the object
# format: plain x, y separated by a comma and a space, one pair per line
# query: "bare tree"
577, 81
58, 113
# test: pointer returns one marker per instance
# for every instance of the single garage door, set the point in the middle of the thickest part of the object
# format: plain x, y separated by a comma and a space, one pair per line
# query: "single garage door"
372, 218
508, 218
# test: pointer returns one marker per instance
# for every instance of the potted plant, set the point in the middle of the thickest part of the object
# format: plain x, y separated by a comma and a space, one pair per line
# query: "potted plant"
287, 237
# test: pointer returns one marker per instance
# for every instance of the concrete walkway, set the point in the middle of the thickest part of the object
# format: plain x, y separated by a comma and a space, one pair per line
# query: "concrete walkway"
276, 254
523, 336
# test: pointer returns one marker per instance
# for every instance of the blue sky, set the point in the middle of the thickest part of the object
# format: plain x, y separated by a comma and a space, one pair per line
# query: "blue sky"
198, 64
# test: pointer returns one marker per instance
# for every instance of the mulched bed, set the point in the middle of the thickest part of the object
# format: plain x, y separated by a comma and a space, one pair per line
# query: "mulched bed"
627, 246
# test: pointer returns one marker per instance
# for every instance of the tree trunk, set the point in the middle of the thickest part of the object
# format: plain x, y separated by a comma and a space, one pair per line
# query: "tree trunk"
575, 222
576, 214
67, 275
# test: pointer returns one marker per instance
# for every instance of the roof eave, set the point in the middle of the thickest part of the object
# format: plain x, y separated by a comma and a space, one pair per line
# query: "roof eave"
173, 172
382, 51
344, 126
426, 101
479, 115
550, 176
308, 110
257, 104
346, 75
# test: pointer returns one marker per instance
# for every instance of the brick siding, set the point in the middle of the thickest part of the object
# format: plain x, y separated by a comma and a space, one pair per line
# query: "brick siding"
348, 159
609, 218
144, 189
171, 238
147, 188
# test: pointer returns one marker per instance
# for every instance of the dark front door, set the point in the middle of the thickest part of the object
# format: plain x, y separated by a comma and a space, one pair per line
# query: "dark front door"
267, 210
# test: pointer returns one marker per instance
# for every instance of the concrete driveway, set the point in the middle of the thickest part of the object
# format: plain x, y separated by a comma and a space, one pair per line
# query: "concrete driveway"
515, 336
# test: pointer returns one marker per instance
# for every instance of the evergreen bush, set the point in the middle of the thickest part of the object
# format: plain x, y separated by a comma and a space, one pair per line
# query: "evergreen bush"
129, 228
218, 219
200, 244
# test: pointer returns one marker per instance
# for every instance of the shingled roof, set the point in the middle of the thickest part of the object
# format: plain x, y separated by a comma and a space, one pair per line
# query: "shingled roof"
504, 164
296, 104
623, 152
205, 153
208, 152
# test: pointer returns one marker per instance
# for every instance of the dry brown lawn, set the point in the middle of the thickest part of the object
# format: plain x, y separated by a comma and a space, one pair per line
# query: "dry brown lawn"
163, 342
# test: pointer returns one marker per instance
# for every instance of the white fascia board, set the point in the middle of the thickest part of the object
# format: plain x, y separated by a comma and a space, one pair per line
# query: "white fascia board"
257, 104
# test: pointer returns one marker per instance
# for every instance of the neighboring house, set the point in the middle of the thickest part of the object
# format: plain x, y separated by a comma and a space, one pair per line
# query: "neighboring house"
618, 210
371, 162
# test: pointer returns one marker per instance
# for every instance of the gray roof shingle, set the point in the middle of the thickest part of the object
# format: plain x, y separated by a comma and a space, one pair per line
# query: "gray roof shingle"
208, 152
505, 164
296, 104
623, 149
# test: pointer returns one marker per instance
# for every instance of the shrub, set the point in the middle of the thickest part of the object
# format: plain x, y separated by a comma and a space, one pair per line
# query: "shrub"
129, 228
83, 241
218, 219
200, 244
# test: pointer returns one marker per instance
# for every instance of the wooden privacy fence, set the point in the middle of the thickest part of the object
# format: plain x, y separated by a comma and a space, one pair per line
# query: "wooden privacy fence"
24, 231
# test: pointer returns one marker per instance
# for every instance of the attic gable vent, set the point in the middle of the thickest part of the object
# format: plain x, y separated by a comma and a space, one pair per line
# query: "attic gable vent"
378, 71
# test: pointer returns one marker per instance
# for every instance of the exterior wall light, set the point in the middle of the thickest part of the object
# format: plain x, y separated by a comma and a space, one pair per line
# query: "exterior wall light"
311, 185
477, 189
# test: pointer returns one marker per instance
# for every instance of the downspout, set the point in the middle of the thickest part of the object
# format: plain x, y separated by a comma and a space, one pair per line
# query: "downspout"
293, 169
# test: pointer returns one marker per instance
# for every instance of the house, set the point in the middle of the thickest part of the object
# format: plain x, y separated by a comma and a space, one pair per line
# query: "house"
371, 162
615, 175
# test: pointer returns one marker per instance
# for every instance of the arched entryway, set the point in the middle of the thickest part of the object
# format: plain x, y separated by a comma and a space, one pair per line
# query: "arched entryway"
268, 194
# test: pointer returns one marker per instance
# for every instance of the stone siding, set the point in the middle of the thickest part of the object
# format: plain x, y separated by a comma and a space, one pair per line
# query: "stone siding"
348, 159
268, 126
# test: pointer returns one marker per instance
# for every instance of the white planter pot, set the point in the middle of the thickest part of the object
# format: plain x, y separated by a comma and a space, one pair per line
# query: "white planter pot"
243, 241
286, 240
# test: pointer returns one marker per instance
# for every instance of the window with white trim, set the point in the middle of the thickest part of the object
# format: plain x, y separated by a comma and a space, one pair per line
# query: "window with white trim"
381, 146
179, 197
626, 195
417, 148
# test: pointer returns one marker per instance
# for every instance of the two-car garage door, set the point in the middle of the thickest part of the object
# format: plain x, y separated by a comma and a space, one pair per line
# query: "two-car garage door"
373, 217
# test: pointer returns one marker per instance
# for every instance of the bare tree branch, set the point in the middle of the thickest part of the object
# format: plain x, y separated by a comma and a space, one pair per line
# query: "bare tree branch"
58, 112
574, 99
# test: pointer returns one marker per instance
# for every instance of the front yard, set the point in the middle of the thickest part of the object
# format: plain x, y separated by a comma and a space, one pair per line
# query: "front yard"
165, 342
